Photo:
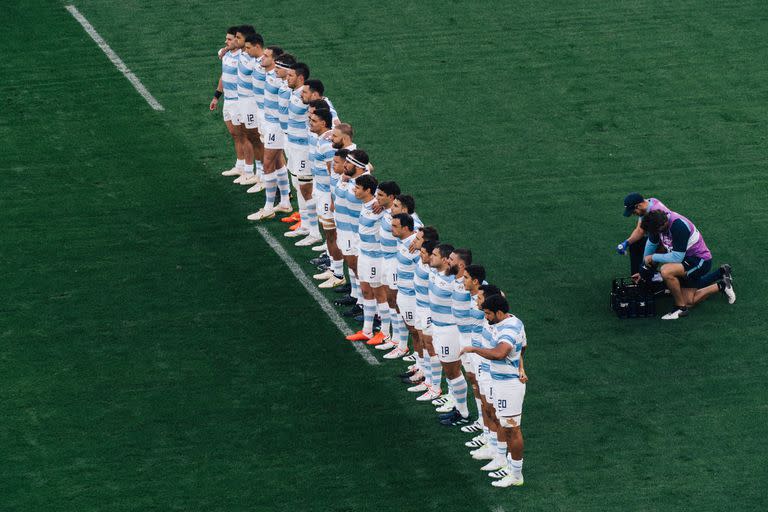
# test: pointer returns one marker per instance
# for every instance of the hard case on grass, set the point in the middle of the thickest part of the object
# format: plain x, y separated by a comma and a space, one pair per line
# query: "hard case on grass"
634, 300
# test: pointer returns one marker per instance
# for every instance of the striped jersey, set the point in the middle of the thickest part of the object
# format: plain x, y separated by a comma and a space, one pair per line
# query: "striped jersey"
486, 341
461, 303
388, 240
244, 73
229, 74
476, 321
421, 283
441, 299
271, 89
334, 115
406, 266
283, 104
320, 156
347, 206
510, 330
298, 127
368, 231
259, 78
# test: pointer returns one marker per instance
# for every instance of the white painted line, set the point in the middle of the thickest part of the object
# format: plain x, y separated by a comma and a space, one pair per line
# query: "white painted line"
116, 60
315, 293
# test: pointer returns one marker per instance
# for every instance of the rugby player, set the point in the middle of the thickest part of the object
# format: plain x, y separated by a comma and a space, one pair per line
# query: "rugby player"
227, 87
254, 45
314, 90
245, 104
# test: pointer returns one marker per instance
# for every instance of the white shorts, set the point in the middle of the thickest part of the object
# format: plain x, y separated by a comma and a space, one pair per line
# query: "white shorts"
445, 339
248, 110
298, 162
423, 320
260, 121
347, 242
389, 269
230, 111
369, 270
323, 200
274, 138
407, 306
508, 398
483, 380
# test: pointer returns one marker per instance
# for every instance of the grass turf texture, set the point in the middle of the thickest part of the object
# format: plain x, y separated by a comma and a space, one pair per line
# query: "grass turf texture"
157, 355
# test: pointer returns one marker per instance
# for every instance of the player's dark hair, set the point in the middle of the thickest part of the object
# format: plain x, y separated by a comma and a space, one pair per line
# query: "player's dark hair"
653, 221
430, 233
405, 220
276, 51
315, 85
317, 104
429, 245
232, 30
390, 188
255, 39
325, 115
246, 29
360, 156
496, 303
367, 182
464, 254
489, 290
301, 69
408, 201
286, 59
476, 272
341, 153
445, 250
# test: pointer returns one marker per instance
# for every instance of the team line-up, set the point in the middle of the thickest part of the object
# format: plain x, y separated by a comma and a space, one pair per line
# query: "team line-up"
402, 278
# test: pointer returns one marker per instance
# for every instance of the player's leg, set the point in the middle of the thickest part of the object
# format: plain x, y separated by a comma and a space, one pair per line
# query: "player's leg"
310, 205
457, 385
671, 273
509, 409
283, 183
239, 156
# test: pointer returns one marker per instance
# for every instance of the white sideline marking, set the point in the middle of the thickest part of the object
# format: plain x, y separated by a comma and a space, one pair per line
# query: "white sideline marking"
116, 60
315, 293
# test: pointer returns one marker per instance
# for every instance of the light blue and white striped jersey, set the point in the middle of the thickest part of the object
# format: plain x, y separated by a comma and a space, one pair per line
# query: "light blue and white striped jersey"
283, 103
461, 303
271, 100
320, 156
441, 299
510, 330
298, 127
476, 321
244, 73
486, 341
368, 231
416, 221
388, 240
334, 115
229, 74
259, 78
347, 206
421, 283
406, 266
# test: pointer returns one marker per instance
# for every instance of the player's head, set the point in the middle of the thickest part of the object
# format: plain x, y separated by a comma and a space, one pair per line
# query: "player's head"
254, 44
486, 290
365, 187
458, 261
270, 54
635, 204
313, 90
495, 308
428, 233
320, 121
425, 250
655, 222
229, 40
241, 32
386, 193
356, 162
474, 275
296, 76
404, 204
283, 64
440, 255
338, 160
318, 104
342, 135
402, 225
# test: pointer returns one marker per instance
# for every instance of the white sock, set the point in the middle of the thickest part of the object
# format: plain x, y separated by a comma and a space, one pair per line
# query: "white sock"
369, 311
437, 372
270, 187
458, 387
240, 164
501, 450
383, 309
337, 267
479, 412
516, 467
284, 185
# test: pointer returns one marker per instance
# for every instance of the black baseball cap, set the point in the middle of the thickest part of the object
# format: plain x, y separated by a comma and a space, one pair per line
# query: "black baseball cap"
631, 201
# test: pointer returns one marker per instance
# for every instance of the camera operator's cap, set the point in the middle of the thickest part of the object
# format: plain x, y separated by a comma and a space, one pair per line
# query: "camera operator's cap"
631, 201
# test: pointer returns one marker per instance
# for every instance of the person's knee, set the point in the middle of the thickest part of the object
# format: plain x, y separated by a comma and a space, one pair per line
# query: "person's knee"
668, 272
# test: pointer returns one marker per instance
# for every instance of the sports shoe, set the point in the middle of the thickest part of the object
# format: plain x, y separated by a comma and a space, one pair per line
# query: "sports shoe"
395, 353
476, 442
430, 394
448, 406
448, 414
306, 242
499, 473
675, 314
728, 283
297, 227
347, 300
320, 248
417, 378
386, 345
411, 358
418, 388
495, 464
355, 310
258, 187
323, 276
262, 214
240, 179
454, 420
377, 339
359, 336
343, 289
441, 400
485, 452
332, 281
290, 219
323, 259
407, 375
508, 481
232, 172
286, 208
296, 234
471, 429
250, 179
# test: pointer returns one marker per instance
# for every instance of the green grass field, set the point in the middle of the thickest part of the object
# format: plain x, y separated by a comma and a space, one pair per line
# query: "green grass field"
156, 354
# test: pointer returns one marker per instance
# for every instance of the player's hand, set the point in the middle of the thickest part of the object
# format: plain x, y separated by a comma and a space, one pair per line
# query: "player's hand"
648, 260
377, 208
466, 350
622, 248
222, 52
214, 104
523, 377
636, 278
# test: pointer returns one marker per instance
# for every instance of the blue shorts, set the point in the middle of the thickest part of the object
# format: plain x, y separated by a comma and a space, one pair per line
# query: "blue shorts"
695, 269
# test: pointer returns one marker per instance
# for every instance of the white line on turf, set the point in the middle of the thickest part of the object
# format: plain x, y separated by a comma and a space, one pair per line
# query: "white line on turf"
315, 293
116, 60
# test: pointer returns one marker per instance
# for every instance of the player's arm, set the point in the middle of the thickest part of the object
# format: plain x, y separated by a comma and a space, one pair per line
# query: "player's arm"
523, 375
680, 235
216, 95
637, 234
500, 351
